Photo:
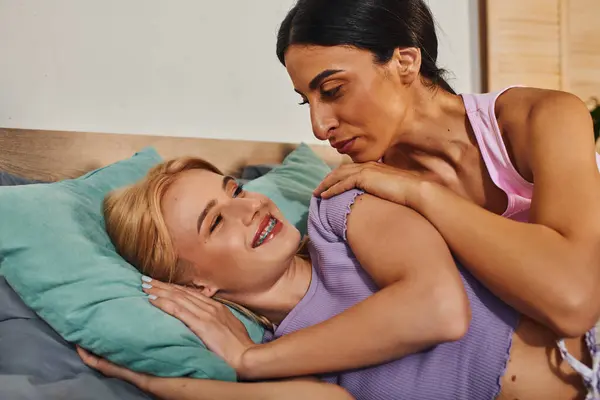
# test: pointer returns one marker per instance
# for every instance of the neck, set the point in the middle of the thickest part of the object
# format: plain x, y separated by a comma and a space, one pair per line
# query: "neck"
276, 303
435, 129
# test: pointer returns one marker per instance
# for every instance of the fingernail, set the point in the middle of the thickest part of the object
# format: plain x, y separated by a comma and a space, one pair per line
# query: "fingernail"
146, 286
152, 297
146, 278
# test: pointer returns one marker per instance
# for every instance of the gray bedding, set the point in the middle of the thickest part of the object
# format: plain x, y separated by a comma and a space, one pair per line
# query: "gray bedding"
37, 364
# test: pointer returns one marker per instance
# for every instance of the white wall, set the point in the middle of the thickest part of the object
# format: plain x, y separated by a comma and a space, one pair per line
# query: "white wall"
459, 44
180, 67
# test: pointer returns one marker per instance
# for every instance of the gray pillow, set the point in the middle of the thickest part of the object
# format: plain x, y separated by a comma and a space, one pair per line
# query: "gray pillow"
7, 179
37, 364
251, 172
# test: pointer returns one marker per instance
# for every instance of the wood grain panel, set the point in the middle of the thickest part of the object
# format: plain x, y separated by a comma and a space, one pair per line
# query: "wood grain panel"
552, 44
55, 155
523, 43
582, 32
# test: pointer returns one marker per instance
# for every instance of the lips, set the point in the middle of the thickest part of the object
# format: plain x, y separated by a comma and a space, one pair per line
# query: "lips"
268, 228
343, 146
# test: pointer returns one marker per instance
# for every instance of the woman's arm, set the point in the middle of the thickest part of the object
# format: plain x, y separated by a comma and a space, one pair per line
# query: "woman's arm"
422, 301
548, 269
203, 389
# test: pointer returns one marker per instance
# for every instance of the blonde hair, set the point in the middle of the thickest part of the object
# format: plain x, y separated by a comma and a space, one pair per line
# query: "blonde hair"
135, 224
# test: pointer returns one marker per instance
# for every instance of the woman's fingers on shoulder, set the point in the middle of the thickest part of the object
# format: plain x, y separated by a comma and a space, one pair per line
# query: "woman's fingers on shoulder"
340, 187
335, 176
369, 177
326, 183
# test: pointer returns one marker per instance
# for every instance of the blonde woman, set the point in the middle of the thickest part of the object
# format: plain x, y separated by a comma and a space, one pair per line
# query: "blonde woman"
376, 305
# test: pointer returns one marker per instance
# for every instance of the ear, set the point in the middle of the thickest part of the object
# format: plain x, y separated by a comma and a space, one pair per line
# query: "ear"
205, 288
408, 63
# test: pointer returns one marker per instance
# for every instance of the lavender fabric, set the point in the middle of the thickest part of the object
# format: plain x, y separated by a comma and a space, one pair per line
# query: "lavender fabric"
470, 368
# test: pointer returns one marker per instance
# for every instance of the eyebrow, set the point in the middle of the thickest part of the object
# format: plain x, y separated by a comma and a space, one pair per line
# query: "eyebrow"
314, 84
212, 203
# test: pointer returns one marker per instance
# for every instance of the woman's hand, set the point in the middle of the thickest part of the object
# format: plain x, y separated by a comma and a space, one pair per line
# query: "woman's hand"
211, 321
383, 181
114, 371
206, 389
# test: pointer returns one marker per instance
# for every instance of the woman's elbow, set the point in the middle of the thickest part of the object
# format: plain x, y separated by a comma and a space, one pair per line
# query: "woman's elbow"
579, 312
452, 313
456, 323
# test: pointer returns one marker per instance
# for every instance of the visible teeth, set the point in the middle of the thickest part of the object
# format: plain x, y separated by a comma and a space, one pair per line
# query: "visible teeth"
266, 231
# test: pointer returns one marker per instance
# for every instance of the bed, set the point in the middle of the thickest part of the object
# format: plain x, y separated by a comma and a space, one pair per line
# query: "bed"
35, 362
56, 155
543, 43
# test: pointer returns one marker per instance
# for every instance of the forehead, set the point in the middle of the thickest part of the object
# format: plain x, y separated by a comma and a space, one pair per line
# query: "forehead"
187, 197
310, 60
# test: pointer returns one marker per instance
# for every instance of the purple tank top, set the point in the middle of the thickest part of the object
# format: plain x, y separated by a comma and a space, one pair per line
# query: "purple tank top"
470, 368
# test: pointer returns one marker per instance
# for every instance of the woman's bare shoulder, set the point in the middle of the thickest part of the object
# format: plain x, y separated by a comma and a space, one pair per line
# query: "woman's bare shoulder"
515, 110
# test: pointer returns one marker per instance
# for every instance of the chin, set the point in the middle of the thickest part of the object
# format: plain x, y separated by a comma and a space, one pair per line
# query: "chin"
368, 150
293, 241
360, 158
294, 236
366, 155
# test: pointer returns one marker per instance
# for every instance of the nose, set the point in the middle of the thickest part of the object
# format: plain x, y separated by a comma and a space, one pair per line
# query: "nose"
323, 121
243, 209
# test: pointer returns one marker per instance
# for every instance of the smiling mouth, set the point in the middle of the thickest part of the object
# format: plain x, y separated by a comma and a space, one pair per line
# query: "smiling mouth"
267, 230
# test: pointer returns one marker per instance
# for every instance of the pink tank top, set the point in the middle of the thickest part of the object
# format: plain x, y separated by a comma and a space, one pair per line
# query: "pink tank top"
482, 116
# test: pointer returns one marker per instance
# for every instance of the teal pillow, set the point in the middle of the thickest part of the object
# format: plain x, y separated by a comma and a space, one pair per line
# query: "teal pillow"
55, 253
290, 185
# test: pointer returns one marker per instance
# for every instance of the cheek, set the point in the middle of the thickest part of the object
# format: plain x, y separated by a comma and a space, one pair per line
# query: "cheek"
223, 251
354, 109
385, 105
365, 109
232, 245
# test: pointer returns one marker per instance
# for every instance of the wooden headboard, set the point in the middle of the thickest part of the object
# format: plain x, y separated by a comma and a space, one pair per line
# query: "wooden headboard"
55, 155
552, 44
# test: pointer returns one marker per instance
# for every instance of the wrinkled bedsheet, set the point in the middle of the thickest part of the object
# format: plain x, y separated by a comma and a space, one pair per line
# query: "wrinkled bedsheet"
37, 364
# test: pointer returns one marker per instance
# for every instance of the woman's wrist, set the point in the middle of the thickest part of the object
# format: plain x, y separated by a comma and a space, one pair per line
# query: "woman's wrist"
423, 192
249, 365
144, 382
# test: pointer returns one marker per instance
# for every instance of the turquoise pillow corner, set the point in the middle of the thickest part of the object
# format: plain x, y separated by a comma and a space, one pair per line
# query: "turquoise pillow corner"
55, 253
291, 184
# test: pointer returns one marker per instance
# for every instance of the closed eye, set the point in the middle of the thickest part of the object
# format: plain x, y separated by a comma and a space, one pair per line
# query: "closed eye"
239, 189
215, 223
332, 93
